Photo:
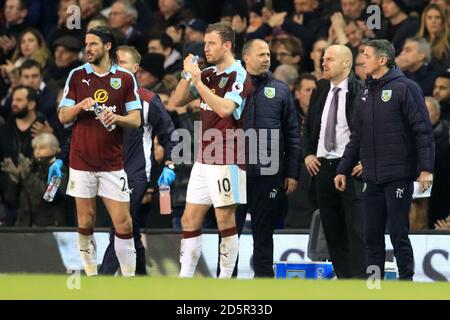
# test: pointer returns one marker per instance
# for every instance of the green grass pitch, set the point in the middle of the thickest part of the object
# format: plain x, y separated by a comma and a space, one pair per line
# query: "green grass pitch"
17, 286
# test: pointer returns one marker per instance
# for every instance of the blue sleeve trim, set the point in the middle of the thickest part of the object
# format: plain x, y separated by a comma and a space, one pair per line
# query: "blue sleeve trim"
238, 111
133, 105
67, 103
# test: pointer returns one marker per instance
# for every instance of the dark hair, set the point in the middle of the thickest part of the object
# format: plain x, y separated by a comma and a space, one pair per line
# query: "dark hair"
28, 64
293, 45
225, 32
23, 4
106, 35
166, 41
383, 48
305, 76
32, 94
445, 74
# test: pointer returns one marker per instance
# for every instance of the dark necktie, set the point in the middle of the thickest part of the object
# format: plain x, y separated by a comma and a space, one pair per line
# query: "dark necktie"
330, 129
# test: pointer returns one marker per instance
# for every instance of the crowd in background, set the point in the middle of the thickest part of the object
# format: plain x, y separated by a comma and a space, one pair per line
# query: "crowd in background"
39, 47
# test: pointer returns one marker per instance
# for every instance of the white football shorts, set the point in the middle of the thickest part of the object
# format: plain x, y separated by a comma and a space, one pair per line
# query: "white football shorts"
219, 185
109, 184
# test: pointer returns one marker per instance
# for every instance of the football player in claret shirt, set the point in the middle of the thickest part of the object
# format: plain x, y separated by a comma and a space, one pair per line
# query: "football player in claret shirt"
96, 161
215, 179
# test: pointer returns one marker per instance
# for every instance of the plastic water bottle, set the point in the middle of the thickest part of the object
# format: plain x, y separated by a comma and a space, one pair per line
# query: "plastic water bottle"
52, 187
165, 206
100, 113
187, 75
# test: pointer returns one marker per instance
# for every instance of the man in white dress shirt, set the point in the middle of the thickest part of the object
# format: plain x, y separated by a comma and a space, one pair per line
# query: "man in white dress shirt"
326, 133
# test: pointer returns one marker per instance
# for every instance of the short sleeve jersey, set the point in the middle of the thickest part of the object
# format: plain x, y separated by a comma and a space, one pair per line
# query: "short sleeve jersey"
93, 148
234, 84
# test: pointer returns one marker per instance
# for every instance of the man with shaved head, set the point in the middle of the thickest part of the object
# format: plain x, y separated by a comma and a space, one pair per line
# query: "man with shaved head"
326, 133
271, 111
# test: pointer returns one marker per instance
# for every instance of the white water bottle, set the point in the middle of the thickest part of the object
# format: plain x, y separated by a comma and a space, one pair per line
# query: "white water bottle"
100, 113
187, 75
52, 187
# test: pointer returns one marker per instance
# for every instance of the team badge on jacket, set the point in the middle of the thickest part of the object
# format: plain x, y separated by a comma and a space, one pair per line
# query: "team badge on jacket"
386, 95
116, 83
223, 82
269, 92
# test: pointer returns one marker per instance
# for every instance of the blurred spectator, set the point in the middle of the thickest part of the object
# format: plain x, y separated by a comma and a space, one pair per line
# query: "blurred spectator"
16, 136
353, 9
316, 56
151, 71
66, 50
123, 17
304, 23
305, 85
97, 21
444, 5
195, 31
172, 58
31, 45
414, 61
359, 67
15, 12
398, 26
289, 51
31, 75
345, 32
89, 9
288, 74
441, 93
439, 203
171, 13
434, 29
255, 17
33, 210
302, 202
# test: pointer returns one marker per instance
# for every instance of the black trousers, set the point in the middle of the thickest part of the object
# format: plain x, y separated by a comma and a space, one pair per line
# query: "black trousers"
264, 194
389, 204
110, 263
343, 221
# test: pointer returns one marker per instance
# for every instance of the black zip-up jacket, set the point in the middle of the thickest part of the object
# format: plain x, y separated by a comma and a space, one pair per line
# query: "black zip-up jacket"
272, 108
392, 134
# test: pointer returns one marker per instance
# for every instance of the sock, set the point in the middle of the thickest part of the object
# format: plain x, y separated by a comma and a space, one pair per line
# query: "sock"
126, 253
190, 251
229, 249
88, 250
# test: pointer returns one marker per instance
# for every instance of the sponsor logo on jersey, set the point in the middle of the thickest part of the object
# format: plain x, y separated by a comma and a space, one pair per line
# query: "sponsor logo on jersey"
116, 83
101, 95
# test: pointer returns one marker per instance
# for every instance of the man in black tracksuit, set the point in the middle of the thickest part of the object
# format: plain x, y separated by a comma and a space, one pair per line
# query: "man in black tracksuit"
271, 110
393, 138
